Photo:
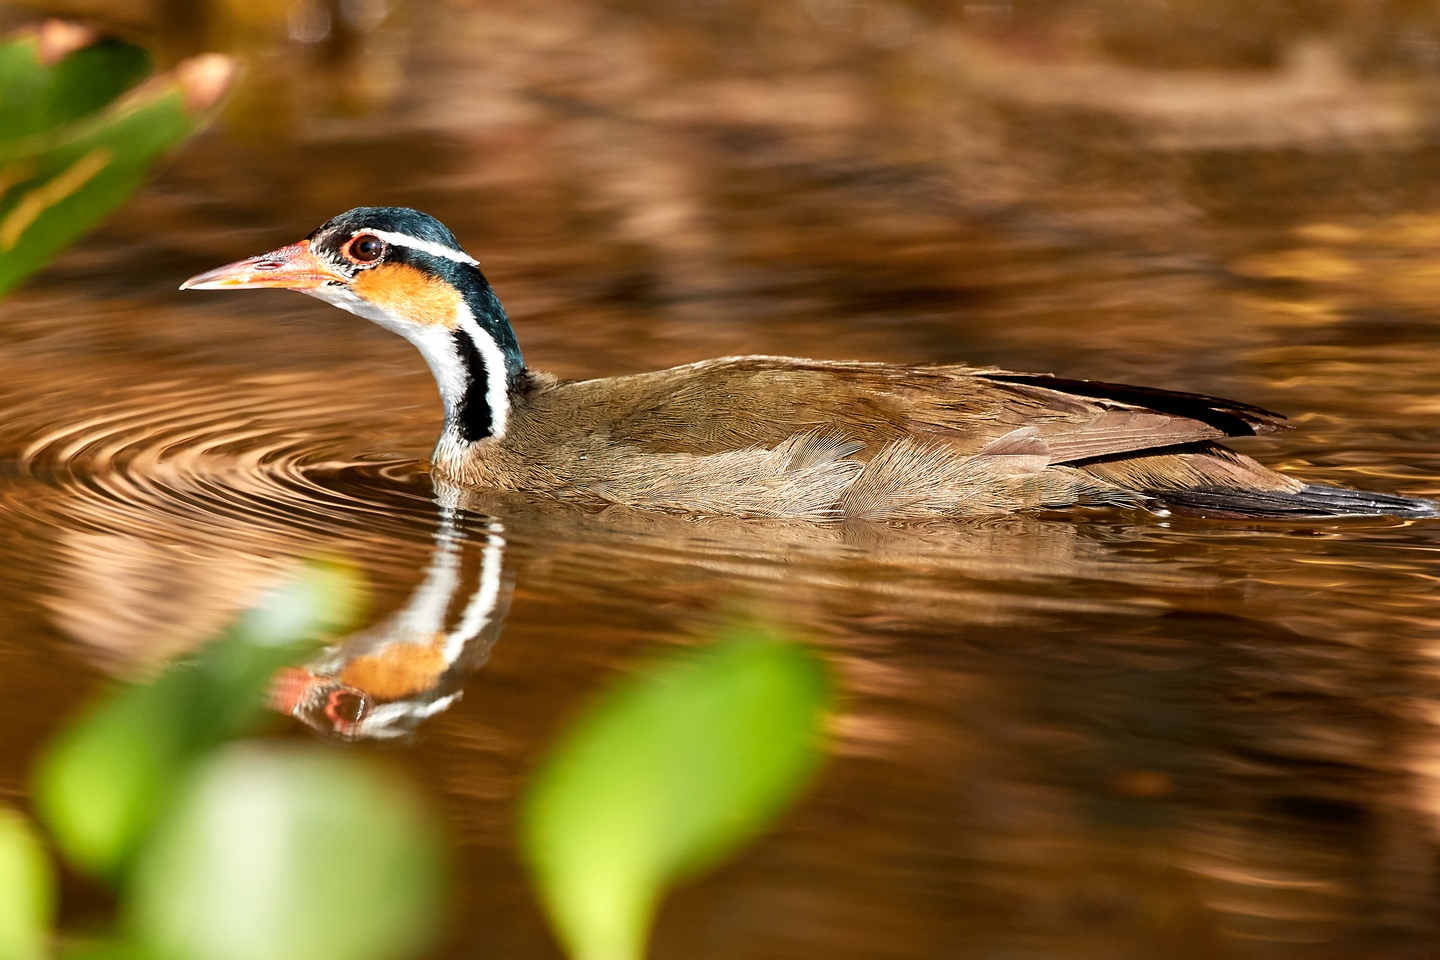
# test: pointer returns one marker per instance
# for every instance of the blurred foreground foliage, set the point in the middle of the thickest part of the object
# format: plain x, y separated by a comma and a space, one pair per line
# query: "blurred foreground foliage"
224, 848
665, 776
291, 854
27, 890
105, 781
79, 132
221, 849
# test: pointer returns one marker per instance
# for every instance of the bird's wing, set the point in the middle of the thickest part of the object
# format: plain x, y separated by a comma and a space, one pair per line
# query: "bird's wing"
739, 402
1089, 419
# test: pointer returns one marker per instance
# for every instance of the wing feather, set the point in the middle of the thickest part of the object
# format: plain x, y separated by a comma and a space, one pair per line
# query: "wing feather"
739, 402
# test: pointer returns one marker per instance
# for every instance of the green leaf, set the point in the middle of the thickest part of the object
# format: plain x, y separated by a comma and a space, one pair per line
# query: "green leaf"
40, 93
665, 776
76, 949
104, 781
27, 890
57, 184
290, 852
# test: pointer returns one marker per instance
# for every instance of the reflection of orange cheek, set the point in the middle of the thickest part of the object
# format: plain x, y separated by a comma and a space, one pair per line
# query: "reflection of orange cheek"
399, 671
409, 293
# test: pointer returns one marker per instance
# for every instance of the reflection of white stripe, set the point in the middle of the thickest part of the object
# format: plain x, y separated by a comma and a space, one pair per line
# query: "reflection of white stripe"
482, 605
424, 615
377, 724
424, 246
496, 374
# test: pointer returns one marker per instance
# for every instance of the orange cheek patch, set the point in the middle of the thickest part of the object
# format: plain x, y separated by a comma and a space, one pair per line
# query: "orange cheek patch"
409, 293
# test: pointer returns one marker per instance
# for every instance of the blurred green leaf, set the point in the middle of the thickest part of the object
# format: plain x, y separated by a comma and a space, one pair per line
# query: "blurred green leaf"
101, 782
27, 890
287, 852
39, 95
668, 774
104, 780
66, 162
102, 950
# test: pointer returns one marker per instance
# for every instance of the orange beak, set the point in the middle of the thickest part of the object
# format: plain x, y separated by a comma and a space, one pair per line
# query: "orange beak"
294, 267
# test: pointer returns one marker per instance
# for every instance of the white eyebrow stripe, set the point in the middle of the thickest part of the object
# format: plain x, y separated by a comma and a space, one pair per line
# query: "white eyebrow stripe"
424, 246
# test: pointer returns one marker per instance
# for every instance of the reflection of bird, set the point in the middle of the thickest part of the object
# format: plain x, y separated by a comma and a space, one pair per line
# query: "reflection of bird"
386, 679
777, 436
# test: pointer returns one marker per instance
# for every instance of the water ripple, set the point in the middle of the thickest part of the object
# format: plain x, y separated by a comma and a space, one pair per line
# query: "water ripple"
185, 460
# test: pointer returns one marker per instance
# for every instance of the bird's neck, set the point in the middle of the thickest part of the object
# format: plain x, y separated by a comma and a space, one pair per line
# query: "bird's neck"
479, 370
472, 354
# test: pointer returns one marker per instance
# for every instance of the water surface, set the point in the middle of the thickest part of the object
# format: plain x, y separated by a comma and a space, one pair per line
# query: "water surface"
1101, 734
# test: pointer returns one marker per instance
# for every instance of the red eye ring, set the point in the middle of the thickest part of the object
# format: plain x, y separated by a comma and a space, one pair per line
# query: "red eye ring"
364, 248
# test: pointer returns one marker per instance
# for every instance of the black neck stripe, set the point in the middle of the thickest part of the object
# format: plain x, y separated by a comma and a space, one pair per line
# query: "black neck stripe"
474, 416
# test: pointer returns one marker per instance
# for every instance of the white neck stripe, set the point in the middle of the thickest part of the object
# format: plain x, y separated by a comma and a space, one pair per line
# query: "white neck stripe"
497, 375
424, 246
437, 346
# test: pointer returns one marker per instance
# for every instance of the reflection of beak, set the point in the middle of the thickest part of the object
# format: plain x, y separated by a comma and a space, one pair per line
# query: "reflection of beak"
295, 267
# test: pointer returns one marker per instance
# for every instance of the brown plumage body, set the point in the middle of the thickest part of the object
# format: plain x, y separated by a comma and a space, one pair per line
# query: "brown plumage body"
830, 440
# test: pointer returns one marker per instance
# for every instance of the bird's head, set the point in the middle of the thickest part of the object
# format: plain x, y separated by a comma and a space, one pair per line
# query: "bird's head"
394, 265
404, 270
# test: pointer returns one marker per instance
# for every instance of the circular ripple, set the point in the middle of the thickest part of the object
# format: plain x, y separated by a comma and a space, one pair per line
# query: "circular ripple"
249, 465
165, 510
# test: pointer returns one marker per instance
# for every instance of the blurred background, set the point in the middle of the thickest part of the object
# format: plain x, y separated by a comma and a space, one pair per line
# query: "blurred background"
1096, 736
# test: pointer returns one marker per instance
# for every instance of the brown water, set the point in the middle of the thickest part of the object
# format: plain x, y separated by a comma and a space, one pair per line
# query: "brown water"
1099, 735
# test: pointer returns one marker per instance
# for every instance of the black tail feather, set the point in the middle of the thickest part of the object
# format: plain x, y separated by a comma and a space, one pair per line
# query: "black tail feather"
1314, 500
1230, 417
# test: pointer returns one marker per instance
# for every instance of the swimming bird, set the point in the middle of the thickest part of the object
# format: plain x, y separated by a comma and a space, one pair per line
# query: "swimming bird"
780, 437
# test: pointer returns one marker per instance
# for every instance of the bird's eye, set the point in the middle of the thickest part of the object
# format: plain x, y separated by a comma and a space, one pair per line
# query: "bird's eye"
365, 248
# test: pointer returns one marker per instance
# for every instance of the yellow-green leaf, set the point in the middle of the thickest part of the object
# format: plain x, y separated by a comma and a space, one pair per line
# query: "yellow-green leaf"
665, 776
289, 852
27, 890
